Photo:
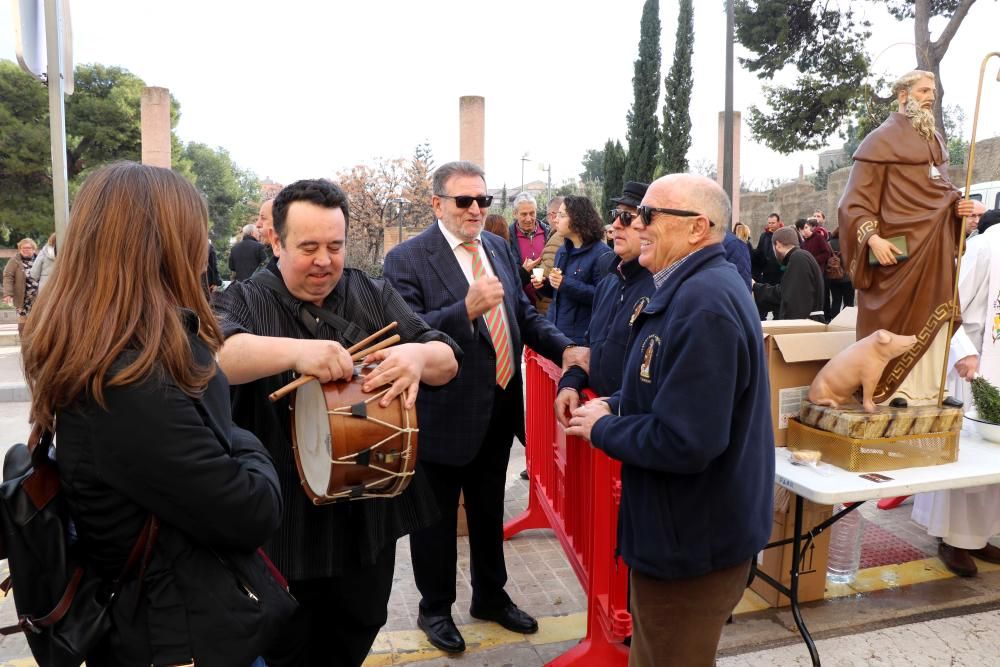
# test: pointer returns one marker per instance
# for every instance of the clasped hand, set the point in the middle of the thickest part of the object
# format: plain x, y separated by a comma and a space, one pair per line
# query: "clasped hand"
584, 417
484, 293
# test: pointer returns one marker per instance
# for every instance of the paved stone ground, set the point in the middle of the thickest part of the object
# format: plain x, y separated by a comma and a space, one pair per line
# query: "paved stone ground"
540, 579
958, 641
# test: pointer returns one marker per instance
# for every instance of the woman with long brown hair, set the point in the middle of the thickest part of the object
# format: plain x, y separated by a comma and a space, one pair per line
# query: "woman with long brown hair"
119, 354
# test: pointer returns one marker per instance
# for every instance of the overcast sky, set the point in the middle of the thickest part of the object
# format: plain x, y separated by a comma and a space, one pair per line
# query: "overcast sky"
304, 88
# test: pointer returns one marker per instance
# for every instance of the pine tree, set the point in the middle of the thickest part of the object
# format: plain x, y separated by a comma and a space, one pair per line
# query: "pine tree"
614, 173
503, 199
418, 188
642, 134
424, 153
676, 134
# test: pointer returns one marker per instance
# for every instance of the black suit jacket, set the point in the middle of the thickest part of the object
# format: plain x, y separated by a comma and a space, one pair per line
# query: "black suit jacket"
246, 257
454, 418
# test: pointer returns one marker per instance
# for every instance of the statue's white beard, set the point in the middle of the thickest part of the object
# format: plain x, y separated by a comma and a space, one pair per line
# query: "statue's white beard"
921, 119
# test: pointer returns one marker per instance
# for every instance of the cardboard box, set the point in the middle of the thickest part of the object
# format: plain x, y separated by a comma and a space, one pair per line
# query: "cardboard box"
777, 562
796, 350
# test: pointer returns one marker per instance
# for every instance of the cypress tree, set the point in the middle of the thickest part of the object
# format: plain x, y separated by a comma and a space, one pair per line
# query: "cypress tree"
614, 173
643, 128
676, 134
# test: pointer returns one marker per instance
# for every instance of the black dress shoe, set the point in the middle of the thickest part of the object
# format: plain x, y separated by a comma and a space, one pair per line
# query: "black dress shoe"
898, 402
952, 402
509, 616
957, 560
442, 633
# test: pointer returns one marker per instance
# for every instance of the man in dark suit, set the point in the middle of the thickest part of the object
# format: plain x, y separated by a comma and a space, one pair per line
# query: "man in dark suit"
465, 283
248, 255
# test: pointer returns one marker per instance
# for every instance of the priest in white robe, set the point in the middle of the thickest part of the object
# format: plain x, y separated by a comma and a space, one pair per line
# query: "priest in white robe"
965, 519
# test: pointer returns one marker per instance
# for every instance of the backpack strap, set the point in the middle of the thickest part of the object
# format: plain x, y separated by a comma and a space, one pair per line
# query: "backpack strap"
142, 550
309, 313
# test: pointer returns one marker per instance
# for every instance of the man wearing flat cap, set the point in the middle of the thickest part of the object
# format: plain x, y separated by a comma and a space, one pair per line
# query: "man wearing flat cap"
618, 298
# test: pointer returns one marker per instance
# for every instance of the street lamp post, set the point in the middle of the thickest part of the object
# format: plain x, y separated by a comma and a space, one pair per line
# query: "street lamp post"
400, 203
524, 158
727, 132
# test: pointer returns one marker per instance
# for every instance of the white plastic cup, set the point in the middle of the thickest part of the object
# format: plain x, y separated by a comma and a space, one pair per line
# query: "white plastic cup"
538, 273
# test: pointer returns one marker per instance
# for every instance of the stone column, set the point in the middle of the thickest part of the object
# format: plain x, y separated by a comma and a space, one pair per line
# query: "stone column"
736, 159
472, 124
156, 127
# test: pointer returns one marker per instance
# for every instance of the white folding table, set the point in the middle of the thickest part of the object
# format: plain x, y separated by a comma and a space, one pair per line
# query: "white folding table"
978, 464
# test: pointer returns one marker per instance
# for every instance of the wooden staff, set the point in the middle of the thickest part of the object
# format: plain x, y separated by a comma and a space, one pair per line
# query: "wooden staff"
352, 350
961, 231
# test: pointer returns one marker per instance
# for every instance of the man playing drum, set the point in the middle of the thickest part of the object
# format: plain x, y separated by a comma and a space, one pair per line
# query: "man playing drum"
338, 558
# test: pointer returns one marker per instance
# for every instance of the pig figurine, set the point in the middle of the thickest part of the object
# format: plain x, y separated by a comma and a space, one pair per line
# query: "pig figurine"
860, 364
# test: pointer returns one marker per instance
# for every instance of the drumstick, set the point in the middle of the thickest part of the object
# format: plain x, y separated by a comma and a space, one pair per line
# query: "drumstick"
384, 330
358, 356
388, 342
290, 387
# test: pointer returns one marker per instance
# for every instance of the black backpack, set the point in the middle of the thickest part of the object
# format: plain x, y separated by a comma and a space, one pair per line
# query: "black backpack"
62, 602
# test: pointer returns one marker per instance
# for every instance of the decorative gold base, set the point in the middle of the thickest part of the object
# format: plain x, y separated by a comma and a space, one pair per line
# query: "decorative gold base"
885, 422
887, 439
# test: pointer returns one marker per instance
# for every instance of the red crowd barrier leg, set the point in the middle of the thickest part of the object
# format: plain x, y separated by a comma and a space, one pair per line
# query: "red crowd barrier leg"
539, 426
531, 518
594, 649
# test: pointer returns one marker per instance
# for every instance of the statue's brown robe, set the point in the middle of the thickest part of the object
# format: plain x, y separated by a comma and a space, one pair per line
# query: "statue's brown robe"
891, 192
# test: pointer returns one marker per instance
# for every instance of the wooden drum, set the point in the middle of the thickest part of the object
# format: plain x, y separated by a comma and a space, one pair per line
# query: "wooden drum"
347, 446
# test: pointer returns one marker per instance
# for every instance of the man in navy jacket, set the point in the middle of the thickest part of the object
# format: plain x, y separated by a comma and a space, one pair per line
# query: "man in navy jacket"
618, 300
692, 428
464, 281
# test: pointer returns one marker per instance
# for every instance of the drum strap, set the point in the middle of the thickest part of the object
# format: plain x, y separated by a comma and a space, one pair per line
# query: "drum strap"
308, 313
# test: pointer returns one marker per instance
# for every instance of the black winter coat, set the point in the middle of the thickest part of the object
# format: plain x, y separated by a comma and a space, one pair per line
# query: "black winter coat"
214, 488
246, 257
801, 290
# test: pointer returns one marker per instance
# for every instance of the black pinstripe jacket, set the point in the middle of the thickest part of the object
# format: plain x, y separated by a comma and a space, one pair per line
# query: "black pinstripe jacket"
312, 541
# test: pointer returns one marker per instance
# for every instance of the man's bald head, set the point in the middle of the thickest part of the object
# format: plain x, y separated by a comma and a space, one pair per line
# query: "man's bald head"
701, 219
691, 192
265, 222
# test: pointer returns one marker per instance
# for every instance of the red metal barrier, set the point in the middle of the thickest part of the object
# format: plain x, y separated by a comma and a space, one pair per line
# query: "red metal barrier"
575, 491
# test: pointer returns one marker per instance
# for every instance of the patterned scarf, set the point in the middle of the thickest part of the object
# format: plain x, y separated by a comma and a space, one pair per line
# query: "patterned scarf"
30, 285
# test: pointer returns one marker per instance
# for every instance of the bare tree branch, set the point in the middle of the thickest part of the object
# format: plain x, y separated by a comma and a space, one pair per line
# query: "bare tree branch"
940, 46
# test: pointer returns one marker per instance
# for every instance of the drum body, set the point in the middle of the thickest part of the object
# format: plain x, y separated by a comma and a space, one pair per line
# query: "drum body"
347, 446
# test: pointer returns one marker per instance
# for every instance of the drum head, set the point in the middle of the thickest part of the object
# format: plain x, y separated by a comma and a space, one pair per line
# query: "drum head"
312, 434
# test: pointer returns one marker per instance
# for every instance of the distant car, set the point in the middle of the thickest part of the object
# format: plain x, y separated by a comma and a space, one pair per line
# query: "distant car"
987, 192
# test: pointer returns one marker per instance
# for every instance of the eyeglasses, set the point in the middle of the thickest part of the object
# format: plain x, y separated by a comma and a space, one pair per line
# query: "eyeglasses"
625, 216
465, 201
646, 213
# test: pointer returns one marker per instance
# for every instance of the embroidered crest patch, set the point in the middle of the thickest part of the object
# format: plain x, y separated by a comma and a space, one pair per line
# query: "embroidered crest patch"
649, 347
639, 305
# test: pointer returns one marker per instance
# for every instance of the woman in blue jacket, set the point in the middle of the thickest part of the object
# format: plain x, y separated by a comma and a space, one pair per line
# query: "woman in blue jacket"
578, 267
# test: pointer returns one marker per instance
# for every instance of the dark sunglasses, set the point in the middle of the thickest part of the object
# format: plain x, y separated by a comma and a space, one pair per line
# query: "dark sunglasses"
465, 201
626, 216
646, 213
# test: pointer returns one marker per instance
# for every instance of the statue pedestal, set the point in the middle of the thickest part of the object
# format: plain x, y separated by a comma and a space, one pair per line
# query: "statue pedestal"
887, 439
885, 422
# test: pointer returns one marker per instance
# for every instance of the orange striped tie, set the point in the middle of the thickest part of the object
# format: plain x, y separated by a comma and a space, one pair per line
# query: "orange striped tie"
494, 322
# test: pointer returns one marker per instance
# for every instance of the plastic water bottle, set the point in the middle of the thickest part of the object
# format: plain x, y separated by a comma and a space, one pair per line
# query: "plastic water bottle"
845, 548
